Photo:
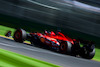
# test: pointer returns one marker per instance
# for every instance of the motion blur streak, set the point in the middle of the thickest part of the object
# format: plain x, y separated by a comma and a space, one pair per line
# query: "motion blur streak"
43, 5
60, 13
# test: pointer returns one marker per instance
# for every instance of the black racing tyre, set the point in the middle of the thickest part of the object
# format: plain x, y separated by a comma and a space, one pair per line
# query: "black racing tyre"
34, 39
20, 35
65, 47
88, 55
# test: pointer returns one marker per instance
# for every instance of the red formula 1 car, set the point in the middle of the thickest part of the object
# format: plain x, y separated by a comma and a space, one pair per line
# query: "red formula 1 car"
57, 41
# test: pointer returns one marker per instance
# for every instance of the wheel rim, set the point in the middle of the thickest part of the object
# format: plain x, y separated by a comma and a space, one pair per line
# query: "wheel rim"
17, 35
63, 47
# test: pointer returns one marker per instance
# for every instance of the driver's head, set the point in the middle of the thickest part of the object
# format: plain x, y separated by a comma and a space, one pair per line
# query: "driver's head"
58, 31
47, 32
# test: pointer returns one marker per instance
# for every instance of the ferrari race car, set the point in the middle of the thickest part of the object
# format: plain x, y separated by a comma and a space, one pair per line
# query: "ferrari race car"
57, 41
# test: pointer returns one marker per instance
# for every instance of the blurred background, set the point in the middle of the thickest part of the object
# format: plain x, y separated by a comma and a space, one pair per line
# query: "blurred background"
76, 18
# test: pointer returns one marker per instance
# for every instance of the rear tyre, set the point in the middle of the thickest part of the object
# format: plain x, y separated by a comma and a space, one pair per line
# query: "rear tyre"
87, 54
65, 47
20, 35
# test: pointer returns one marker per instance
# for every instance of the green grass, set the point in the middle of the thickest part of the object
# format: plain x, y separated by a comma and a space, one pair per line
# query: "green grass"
4, 29
97, 55
11, 59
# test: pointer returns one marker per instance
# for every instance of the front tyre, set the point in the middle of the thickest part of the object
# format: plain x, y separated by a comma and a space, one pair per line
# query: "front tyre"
20, 35
65, 47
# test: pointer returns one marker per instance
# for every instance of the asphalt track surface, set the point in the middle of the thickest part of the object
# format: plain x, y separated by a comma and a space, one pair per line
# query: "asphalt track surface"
46, 54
